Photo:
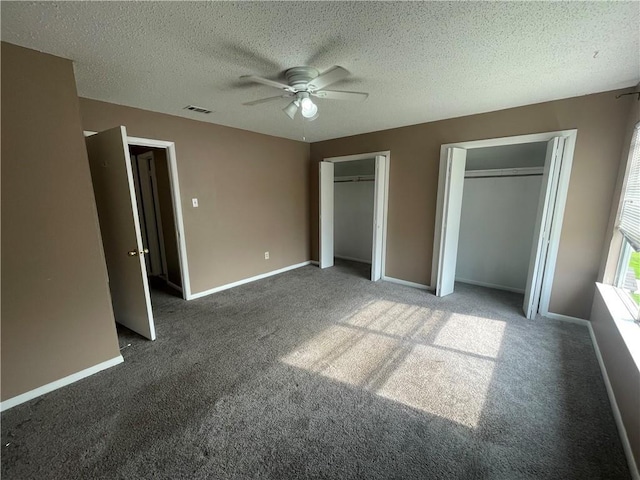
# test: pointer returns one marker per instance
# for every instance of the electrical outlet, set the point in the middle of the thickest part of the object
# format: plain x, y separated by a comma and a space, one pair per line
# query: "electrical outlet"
266, 255
194, 202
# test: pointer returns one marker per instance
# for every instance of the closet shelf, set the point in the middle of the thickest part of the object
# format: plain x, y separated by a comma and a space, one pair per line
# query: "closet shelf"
504, 172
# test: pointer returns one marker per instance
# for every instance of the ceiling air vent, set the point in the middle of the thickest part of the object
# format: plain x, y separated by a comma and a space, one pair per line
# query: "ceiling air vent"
193, 108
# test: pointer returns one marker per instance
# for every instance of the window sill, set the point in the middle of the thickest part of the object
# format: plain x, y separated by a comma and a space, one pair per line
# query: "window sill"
623, 320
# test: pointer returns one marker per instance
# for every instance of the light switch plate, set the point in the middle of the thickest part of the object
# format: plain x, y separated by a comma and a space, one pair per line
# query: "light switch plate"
194, 202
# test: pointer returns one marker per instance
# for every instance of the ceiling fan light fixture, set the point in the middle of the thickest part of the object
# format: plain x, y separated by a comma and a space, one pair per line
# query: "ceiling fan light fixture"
308, 109
291, 109
310, 119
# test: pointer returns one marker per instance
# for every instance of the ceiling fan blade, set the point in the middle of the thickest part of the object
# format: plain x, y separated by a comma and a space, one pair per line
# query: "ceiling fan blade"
335, 95
332, 75
291, 109
266, 81
265, 100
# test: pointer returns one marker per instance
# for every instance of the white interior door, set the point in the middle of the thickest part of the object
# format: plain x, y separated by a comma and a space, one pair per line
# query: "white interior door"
452, 186
378, 217
114, 190
326, 214
542, 232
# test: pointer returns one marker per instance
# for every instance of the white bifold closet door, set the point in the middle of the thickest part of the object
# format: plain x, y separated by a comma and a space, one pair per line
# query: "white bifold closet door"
542, 233
453, 179
378, 218
326, 214
112, 178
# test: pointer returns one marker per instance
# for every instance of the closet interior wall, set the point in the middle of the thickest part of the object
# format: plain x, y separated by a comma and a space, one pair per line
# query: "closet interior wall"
353, 209
498, 217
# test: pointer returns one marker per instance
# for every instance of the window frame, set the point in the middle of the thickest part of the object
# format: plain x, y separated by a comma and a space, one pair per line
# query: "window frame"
626, 218
623, 246
621, 270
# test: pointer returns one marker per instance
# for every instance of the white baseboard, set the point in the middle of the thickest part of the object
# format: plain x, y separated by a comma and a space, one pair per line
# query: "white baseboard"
566, 318
174, 286
626, 446
314, 262
247, 280
490, 285
612, 399
63, 382
406, 283
353, 259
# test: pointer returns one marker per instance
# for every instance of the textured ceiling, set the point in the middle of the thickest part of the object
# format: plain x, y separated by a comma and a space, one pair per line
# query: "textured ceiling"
420, 61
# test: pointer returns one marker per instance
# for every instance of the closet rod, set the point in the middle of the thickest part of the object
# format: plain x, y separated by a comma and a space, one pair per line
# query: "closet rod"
504, 172
355, 180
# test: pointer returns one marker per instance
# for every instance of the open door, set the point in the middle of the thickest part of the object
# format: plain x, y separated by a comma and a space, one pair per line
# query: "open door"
542, 232
378, 217
114, 191
326, 214
452, 187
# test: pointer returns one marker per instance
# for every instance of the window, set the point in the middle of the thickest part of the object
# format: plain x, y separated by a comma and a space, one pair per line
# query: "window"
628, 224
628, 278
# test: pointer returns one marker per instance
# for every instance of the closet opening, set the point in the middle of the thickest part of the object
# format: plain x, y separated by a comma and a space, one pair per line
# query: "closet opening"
354, 194
353, 211
497, 222
499, 215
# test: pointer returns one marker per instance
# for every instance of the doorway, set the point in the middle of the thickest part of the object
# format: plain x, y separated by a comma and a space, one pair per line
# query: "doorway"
353, 210
133, 221
521, 181
157, 218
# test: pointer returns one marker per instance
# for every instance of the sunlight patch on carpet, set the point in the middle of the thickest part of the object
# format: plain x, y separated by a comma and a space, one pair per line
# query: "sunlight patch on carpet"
444, 383
439, 362
481, 336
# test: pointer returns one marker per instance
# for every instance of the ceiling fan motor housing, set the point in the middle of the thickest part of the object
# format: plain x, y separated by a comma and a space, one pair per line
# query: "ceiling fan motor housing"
299, 77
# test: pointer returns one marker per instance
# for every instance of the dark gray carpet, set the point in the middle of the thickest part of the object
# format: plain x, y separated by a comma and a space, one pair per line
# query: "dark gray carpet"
323, 374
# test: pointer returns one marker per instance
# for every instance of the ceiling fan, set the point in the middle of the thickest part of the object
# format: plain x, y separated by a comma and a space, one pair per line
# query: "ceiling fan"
304, 83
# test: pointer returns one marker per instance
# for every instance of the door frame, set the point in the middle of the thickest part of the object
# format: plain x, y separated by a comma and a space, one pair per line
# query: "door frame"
176, 200
566, 162
385, 206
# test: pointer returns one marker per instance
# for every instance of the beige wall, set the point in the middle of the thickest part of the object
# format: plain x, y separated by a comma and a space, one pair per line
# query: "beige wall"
253, 192
415, 151
621, 368
56, 308
613, 239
